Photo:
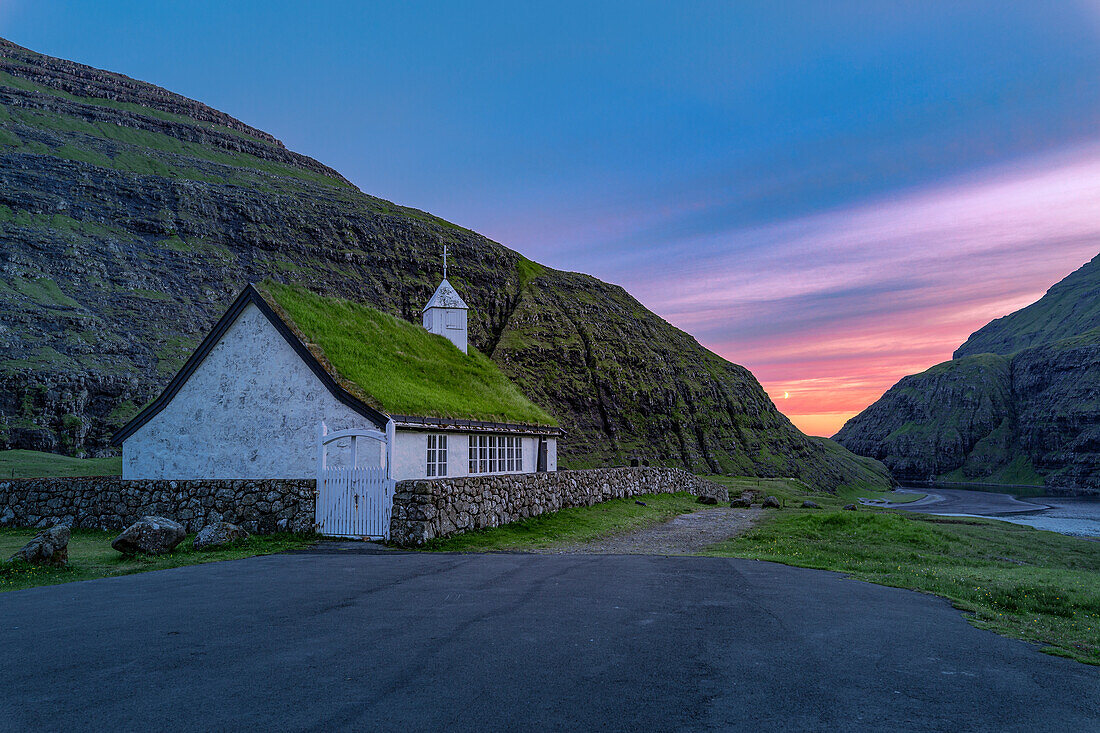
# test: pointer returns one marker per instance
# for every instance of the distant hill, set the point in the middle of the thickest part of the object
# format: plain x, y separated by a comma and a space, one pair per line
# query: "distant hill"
1019, 403
130, 216
1069, 309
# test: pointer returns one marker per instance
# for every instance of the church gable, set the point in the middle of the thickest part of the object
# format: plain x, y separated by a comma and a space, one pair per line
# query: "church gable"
280, 335
249, 409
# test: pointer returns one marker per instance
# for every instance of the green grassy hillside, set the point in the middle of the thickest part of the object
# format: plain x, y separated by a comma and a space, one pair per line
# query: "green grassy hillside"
1070, 308
131, 217
36, 464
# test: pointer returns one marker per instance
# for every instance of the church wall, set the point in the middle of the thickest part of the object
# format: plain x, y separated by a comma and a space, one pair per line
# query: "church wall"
250, 411
410, 460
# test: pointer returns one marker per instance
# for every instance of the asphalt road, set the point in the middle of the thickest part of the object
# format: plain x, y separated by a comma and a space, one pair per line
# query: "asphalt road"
334, 640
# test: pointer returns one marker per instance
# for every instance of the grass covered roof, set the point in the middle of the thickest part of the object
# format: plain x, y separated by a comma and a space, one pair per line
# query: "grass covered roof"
399, 367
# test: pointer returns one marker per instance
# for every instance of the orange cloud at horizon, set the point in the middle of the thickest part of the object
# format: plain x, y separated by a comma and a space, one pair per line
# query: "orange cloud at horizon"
824, 424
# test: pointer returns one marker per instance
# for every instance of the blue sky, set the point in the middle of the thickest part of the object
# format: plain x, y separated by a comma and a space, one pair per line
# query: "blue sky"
831, 193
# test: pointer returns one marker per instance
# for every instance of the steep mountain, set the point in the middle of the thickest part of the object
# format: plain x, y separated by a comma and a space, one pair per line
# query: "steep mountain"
1070, 308
1019, 403
129, 216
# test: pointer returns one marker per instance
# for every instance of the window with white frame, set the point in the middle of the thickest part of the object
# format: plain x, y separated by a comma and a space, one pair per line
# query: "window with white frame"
437, 455
496, 453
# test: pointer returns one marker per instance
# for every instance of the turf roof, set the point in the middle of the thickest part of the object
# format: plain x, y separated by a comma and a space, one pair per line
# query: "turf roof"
399, 367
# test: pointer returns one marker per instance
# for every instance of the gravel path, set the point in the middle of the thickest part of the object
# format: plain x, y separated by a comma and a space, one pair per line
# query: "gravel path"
683, 535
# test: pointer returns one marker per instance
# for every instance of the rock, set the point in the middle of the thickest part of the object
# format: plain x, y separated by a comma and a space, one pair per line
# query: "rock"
849, 507
742, 501
707, 500
49, 547
810, 505
771, 503
217, 535
150, 535
639, 503
7, 517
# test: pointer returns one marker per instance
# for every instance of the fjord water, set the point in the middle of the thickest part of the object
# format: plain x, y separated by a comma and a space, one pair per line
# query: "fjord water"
1076, 516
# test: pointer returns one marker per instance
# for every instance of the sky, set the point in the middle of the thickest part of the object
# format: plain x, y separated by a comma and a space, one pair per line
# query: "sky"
833, 194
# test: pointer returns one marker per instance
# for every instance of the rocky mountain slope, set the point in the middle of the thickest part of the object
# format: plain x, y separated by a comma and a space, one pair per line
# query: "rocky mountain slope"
1069, 309
130, 216
1019, 403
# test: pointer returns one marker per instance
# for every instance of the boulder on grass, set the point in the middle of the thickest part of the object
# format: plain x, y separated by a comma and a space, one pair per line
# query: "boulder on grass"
707, 499
770, 502
48, 547
745, 500
218, 534
150, 535
849, 507
810, 505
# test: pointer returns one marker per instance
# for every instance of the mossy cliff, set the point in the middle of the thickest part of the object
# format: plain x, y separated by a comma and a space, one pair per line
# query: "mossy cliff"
1019, 403
130, 216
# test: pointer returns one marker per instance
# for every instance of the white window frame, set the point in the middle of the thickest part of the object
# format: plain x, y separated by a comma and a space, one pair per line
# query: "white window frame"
491, 454
437, 455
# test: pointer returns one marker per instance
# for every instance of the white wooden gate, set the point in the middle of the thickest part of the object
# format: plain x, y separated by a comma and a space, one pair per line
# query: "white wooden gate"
351, 501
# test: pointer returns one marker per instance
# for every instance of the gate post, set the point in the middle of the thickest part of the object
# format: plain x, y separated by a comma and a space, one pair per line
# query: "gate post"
390, 434
322, 431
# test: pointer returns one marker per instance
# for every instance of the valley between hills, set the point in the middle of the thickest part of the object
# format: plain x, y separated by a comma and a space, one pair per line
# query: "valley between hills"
1018, 405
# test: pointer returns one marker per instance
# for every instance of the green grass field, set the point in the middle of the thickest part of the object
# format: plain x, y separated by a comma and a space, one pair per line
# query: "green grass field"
91, 556
35, 464
792, 492
577, 524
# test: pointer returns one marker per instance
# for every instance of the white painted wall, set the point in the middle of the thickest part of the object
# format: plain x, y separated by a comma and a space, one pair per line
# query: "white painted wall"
250, 410
448, 322
410, 455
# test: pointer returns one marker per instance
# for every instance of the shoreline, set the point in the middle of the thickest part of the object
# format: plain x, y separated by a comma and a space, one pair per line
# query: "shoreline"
1055, 514
1028, 490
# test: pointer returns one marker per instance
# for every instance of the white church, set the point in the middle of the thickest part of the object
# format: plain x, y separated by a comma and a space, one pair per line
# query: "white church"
285, 387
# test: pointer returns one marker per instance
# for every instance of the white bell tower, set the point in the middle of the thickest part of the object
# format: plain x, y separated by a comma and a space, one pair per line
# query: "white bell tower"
445, 313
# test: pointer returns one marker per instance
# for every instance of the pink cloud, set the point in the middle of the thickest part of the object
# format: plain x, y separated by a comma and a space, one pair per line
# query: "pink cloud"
960, 255
834, 308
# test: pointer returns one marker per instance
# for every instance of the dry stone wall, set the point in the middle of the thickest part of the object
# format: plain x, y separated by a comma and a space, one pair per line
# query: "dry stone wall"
430, 508
422, 509
267, 505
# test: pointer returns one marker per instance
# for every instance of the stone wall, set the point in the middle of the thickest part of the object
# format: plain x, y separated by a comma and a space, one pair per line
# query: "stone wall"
422, 509
429, 508
258, 505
